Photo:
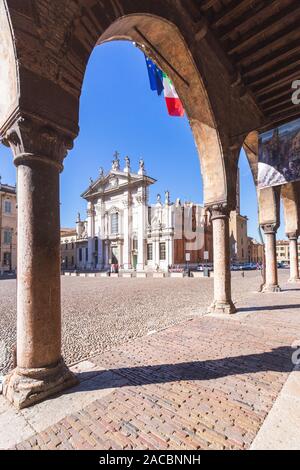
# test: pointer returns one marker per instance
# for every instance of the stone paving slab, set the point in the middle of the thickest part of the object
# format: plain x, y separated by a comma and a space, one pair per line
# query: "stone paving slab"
280, 430
208, 383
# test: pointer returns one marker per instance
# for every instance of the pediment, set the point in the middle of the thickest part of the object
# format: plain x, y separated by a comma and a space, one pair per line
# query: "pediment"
113, 181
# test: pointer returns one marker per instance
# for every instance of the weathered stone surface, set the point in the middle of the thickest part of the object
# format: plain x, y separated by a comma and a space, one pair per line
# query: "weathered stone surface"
24, 387
222, 276
271, 281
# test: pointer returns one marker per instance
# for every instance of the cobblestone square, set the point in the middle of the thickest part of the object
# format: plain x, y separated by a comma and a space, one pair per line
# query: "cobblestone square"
98, 314
202, 382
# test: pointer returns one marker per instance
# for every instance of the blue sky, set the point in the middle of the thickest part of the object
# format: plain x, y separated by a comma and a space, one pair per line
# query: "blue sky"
119, 112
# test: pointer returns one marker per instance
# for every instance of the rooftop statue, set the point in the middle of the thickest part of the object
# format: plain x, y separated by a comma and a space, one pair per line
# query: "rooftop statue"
116, 162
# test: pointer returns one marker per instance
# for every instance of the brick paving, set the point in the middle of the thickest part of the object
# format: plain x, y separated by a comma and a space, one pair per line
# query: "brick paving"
100, 314
208, 383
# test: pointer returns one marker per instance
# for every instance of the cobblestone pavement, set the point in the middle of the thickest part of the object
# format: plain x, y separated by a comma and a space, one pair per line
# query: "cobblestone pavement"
99, 314
207, 383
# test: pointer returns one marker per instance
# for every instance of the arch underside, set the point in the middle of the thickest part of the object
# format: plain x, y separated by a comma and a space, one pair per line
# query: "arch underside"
163, 42
56, 73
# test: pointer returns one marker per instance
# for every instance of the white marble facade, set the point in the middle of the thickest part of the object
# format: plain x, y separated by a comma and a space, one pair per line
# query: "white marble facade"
121, 228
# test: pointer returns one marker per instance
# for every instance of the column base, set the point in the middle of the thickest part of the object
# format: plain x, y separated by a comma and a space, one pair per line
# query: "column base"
25, 387
222, 307
294, 280
271, 288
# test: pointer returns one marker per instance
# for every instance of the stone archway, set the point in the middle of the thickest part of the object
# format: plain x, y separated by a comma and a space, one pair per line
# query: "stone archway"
40, 127
290, 195
268, 200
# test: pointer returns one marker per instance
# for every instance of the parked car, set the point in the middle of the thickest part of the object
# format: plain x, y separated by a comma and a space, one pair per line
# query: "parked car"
283, 265
235, 267
209, 266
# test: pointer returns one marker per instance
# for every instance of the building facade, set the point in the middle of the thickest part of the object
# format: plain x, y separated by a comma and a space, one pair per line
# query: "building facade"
238, 231
124, 232
238, 238
8, 228
255, 251
283, 251
68, 241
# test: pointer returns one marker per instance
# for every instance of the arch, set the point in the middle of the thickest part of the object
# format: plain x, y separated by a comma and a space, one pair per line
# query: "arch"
251, 149
9, 74
162, 40
290, 194
52, 62
169, 37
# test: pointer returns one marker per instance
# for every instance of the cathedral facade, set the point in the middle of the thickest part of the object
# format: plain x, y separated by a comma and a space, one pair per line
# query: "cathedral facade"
124, 232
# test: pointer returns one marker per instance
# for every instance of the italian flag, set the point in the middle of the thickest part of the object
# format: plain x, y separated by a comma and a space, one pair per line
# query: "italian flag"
173, 102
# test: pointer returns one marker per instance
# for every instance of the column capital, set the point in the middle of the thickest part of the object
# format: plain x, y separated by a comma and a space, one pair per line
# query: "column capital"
270, 228
32, 139
219, 211
127, 203
141, 199
91, 209
293, 235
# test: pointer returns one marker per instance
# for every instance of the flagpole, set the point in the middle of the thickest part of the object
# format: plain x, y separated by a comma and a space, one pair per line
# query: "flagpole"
161, 56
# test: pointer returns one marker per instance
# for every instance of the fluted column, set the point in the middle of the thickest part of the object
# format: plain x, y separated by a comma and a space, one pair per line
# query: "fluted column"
294, 261
221, 250
271, 281
40, 371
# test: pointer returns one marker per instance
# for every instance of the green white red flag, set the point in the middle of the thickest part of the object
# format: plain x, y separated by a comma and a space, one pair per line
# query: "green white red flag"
159, 81
174, 105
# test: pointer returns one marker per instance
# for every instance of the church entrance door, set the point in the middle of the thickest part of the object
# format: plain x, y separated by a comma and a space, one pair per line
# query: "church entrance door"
115, 255
134, 261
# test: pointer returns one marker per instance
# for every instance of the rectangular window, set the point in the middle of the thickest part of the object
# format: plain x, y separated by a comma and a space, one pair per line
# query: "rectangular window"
7, 207
135, 244
80, 254
7, 259
162, 251
149, 215
96, 245
86, 254
149, 252
7, 237
114, 223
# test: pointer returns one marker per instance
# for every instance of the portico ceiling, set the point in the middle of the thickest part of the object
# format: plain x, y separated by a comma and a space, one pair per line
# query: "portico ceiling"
260, 42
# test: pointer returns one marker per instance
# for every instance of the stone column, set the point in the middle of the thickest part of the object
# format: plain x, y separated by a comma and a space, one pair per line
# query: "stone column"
100, 253
91, 235
271, 281
221, 252
294, 261
40, 372
155, 249
127, 230
141, 200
